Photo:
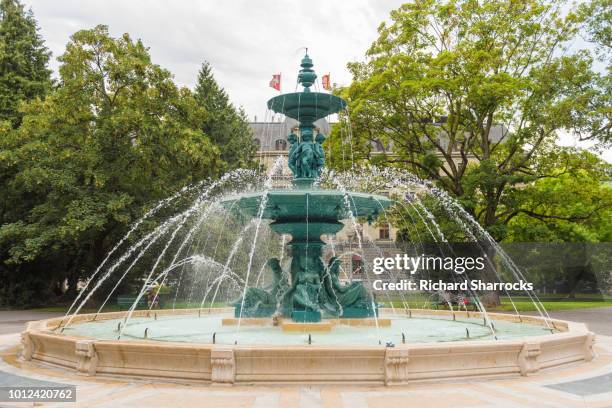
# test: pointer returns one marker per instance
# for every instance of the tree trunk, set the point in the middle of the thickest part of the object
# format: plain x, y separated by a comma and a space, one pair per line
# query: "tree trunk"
489, 274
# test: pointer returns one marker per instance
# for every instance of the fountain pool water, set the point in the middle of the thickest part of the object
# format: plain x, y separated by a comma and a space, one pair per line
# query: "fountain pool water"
200, 329
254, 293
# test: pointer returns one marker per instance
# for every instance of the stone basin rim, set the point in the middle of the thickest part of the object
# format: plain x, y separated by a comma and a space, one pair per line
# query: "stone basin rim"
220, 363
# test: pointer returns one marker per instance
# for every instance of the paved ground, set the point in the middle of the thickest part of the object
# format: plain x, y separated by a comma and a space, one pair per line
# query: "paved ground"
587, 385
599, 320
15, 321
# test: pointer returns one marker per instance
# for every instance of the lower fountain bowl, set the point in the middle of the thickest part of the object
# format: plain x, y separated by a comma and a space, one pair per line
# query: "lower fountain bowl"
312, 204
261, 351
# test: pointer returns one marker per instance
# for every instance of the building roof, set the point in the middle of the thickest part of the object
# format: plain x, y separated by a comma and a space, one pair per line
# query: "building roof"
269, 132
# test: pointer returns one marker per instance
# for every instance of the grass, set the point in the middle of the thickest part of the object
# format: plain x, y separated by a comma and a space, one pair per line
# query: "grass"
551, 302
115, 307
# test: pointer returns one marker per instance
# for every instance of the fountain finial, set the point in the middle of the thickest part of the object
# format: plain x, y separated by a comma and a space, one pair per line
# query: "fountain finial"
307, 75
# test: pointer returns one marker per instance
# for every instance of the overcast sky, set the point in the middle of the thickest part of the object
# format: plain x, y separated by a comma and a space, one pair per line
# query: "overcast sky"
246, 41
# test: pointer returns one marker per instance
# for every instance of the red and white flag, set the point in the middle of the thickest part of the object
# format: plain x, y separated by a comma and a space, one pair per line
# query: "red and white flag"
275, 82
325, 82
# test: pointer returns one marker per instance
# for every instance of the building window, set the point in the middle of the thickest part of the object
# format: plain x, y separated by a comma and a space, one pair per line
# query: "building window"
383, 232
257, 142
281, 144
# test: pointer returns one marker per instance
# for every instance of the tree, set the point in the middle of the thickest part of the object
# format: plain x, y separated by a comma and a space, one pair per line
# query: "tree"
595, 123
115, 136
225, 125
471, 95
24, 75
573, 220
597, 17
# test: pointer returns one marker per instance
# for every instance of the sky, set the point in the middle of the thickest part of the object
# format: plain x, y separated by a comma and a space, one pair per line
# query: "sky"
245, 41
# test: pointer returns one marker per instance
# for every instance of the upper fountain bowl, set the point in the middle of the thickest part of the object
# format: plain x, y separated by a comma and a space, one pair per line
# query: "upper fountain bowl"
306, 107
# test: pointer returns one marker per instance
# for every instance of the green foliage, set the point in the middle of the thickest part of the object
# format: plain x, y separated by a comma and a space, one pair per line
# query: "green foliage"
115, 136
225, 125
556, 227
597, 16
473, 95
414, 227
573, 205
23, 61
565, 267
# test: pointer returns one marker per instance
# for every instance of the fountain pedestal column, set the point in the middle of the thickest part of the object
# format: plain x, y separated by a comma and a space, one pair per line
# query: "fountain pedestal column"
303, 301
316, 287
306, 272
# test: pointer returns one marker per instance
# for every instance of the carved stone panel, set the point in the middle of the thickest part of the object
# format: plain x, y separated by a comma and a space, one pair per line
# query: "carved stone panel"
223, 365
528, 358
396, 365
87, 358
27, 347
589, 354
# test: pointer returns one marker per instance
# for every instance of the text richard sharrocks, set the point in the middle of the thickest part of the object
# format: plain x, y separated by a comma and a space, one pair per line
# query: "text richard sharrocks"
434, 286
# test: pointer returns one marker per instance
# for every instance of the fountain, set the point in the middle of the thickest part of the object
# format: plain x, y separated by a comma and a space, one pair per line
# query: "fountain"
307, 213
252, 314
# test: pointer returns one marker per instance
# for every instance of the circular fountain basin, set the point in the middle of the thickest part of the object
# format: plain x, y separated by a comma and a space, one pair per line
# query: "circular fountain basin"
179, 345
258, 332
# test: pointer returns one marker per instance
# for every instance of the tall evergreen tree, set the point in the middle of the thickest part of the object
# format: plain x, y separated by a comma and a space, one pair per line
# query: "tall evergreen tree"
23, 60
225, 125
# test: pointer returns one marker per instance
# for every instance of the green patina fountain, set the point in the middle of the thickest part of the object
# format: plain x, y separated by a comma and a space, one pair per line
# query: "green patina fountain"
310, 290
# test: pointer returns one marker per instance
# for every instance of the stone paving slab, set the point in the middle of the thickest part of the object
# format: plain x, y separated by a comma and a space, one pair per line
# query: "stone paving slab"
12, 380
590, 386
